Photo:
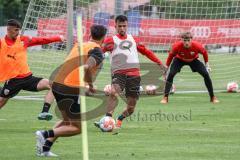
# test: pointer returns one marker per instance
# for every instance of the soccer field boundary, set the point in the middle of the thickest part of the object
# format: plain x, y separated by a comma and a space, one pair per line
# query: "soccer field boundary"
41, 97
34, 98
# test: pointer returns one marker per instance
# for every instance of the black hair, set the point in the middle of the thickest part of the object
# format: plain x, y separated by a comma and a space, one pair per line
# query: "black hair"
98, 32
14, 22
121, 18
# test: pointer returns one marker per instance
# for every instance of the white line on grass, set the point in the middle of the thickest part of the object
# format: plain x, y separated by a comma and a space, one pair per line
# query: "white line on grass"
184, 92
35, 98
41, 97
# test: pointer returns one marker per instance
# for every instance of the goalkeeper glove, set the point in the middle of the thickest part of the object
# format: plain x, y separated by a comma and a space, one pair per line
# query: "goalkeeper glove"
208, 67
163, 68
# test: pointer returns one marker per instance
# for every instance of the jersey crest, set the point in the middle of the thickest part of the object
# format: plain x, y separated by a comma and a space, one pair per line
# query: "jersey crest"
192, 53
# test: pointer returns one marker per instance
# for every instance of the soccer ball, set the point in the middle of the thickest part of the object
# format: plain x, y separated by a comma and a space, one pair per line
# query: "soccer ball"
107, 89
107, 124
151, 89
141, 89
232, 87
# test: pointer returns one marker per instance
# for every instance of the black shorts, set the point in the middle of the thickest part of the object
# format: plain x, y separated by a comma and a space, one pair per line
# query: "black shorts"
196, 65
67, 99
13, 86
129, 84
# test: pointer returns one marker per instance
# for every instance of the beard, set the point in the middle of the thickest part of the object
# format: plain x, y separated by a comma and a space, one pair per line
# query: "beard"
122, 33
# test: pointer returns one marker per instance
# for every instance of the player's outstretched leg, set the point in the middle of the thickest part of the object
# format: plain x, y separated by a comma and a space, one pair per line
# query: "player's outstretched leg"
175, 67
128, 111
208, 82
48, 100
45, 115
64, 129
132, 90
43, 145
40, 142
112, 102
168, 86
70, 125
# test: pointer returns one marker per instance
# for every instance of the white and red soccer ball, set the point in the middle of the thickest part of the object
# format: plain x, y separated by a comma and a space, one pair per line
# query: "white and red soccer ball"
107, 124
151, 89
141, 89
232, 87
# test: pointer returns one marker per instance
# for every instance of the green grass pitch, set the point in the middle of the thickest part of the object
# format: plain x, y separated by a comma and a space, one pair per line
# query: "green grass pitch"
189, 127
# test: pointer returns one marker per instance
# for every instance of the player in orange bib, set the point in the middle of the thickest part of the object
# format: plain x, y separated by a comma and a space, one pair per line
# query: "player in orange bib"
14, 69
65, 88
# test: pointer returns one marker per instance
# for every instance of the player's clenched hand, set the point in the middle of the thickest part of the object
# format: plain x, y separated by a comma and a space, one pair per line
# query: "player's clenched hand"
90, 90
208, 67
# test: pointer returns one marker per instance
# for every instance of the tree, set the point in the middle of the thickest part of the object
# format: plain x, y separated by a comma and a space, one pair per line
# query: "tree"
14, 9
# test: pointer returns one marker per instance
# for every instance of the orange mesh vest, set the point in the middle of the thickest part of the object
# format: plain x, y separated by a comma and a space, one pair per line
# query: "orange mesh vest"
13, 60
68, 73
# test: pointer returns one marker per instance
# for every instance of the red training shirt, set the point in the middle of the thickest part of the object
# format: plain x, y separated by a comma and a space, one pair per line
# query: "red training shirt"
186, 54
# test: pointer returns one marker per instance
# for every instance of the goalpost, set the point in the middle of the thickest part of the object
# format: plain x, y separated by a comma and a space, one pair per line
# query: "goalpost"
81, 91
157, 23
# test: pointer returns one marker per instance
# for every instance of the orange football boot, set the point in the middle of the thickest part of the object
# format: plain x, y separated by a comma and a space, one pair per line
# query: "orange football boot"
118, 124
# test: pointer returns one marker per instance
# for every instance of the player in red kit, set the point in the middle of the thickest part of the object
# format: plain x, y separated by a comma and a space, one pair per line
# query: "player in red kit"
125, 67
186, 52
